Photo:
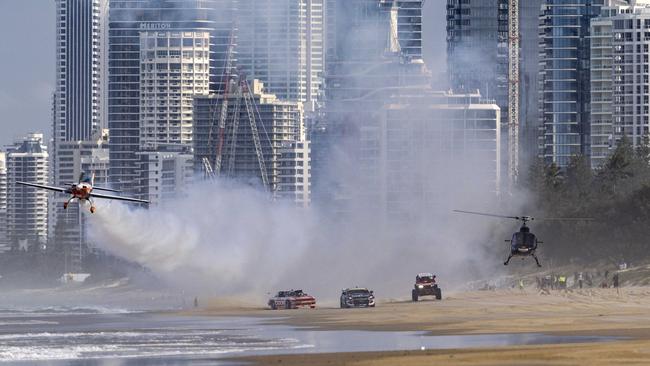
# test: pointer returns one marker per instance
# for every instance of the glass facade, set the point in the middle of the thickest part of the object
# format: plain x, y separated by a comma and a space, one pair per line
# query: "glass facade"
280, 42
565, 78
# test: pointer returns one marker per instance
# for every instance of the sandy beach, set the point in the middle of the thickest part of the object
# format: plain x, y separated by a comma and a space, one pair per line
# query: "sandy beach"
593, 312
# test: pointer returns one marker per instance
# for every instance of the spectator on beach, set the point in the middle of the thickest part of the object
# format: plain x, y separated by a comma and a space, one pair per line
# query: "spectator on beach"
580, 278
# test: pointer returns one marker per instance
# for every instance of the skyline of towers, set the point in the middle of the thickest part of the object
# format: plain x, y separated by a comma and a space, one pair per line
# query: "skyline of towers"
339, 52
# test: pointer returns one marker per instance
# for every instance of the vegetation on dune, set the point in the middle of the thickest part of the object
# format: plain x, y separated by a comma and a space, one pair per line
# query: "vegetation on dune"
616, 196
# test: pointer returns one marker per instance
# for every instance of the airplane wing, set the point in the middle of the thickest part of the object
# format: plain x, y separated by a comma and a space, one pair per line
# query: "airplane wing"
110, 197
105, 189
59, 189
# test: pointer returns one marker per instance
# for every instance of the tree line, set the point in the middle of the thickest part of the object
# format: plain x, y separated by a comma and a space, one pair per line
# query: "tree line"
616, 196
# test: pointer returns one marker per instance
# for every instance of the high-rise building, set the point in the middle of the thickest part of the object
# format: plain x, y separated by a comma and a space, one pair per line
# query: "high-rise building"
4, 240
27, 214
78, 116
262, 124
175, 68
373, 51
127, 20
164, 174
477, 49
69, 229
619, 77
529, 11
78, 61
280, 42
478, 38
409, 28
428, 144
565, 79
294, 173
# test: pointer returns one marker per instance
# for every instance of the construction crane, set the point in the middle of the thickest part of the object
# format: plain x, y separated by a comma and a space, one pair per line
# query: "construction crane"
223, 112
241, 89
513, 89
208, 173
249, 102
235, 128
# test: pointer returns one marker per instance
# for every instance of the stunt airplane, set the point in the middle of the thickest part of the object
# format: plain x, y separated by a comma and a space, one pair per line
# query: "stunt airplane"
83, 191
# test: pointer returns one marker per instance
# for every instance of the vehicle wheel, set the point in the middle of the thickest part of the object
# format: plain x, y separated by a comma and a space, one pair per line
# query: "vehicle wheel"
439, 294
414, 295
273, 307
342, 304
287, 304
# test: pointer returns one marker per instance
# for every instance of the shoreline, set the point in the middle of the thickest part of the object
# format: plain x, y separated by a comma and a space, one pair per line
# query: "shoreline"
589, 312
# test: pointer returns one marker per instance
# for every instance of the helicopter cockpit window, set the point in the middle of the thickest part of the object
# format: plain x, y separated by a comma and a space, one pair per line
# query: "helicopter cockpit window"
523, 239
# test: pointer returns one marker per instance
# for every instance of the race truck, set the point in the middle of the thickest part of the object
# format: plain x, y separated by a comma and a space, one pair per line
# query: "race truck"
291, 299
425, 285
357, 297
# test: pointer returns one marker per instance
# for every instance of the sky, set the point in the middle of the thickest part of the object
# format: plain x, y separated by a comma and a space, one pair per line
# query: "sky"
27, 62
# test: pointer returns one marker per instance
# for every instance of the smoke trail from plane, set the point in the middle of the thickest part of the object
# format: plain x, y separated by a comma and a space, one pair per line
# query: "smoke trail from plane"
226, 240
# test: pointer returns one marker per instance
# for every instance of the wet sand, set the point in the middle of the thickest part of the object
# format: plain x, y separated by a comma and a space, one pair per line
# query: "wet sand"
597, 312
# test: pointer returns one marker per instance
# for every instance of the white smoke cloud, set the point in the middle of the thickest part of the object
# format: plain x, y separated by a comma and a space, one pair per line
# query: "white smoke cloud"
225, 240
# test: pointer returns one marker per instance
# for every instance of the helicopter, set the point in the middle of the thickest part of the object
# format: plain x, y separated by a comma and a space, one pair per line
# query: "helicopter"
523, 242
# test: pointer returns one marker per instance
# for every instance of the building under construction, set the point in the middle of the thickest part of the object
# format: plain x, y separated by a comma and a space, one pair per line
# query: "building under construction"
248, 146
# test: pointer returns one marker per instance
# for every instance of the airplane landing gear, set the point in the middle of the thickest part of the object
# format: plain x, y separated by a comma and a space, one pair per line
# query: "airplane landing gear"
92, 209
66, 203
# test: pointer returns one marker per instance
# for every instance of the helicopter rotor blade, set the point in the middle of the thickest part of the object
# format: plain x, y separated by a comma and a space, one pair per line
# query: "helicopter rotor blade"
488, 214
566, 218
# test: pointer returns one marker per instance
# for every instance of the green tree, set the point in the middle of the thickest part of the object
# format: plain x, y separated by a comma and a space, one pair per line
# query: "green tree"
617, 168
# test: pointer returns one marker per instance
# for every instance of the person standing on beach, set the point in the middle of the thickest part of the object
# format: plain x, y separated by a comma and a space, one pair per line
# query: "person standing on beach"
615, 282
580, 279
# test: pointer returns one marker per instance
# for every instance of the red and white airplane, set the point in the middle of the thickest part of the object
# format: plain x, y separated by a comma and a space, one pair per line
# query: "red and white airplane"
83, 191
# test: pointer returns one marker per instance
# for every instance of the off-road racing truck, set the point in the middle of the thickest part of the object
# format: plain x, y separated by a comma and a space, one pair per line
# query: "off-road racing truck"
425, 285
357, 297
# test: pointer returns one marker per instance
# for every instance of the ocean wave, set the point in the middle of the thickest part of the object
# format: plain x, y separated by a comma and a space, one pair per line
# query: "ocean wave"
27, 322
57, 310
143, 335
47, 353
